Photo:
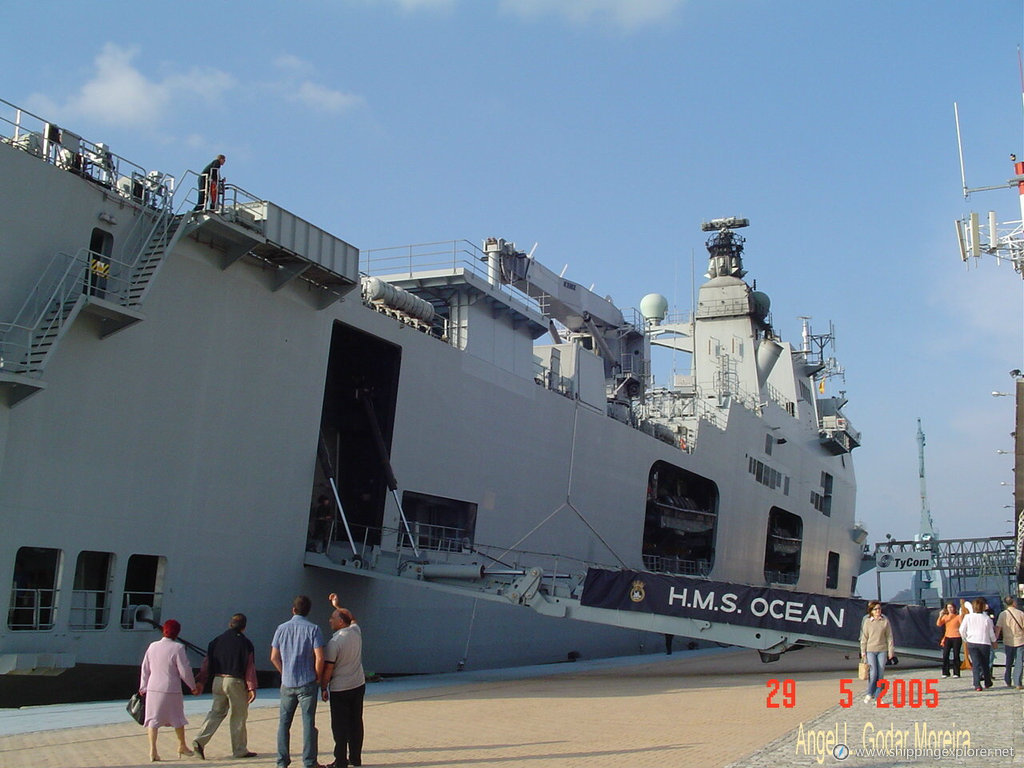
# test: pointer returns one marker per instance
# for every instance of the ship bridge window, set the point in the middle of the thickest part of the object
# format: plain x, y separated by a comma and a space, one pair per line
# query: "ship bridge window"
438, 523
680, 521
143, 591
783, 546
832, 571
34, 589
90, 596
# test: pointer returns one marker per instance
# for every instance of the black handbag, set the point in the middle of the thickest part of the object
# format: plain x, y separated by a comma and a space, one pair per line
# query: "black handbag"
137, 707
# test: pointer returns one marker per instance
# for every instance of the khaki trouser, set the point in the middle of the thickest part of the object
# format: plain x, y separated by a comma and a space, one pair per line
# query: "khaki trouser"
228, 692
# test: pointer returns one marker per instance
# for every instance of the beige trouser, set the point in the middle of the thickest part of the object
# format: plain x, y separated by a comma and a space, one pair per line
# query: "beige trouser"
228, 691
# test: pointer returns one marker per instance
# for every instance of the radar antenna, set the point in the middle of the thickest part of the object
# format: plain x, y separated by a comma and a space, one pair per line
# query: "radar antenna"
1004, 241
725, 247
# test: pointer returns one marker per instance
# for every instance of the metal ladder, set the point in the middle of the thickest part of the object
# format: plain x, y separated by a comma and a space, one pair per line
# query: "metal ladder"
63, 291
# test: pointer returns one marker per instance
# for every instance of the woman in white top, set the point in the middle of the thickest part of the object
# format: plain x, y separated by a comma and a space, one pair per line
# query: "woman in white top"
980, 637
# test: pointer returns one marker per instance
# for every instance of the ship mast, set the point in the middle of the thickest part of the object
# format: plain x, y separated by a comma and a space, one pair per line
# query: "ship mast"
927, 526
925, 582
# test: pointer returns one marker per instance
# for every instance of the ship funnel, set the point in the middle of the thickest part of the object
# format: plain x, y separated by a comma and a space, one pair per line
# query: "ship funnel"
768, 352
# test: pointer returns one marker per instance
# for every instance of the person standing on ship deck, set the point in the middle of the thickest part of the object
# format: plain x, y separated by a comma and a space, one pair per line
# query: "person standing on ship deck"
231, 663
209, 183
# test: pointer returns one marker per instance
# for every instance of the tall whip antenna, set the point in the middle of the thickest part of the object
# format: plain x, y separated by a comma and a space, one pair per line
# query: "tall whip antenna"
960, 149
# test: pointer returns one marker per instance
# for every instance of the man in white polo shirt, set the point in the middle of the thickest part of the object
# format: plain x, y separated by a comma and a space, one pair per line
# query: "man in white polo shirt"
344, 685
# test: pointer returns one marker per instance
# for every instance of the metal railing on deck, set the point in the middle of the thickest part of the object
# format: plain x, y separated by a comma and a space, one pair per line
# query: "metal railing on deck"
90, 609
32, 609
90, 160
678, 565
436, 538
445, 257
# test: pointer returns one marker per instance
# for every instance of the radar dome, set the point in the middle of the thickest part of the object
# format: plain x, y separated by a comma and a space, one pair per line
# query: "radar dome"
761, 304
654, 307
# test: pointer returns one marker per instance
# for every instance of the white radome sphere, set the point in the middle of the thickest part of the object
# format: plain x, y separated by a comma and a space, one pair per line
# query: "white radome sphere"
654, 307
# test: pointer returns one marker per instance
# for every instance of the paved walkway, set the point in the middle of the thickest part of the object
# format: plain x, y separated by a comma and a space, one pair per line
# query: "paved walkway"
703, 709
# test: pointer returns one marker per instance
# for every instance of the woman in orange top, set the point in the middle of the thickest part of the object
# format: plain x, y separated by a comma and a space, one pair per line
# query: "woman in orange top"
949, 619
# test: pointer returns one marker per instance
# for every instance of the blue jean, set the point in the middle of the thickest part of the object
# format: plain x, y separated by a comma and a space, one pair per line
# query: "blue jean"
981, 654
1014, 663
304, 697
876, 670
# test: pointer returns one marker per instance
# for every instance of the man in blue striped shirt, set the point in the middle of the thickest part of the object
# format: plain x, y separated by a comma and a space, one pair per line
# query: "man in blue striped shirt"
297, 652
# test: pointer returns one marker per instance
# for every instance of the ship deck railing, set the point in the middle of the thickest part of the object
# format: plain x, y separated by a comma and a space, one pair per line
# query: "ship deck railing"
452, 545
94, 161
436, 538
677, 565
90, 609
446, 257
32, 608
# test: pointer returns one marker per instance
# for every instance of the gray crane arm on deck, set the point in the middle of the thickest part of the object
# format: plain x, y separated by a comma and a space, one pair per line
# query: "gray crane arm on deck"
568, 302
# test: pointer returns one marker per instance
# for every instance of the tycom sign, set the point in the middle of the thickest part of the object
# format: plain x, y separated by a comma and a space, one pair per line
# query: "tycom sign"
904, 561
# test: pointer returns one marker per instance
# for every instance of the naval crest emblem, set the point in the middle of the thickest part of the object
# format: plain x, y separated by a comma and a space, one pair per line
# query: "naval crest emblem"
637, 593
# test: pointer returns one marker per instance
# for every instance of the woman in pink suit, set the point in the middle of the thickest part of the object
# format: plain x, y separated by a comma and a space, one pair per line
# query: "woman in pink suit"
164, 669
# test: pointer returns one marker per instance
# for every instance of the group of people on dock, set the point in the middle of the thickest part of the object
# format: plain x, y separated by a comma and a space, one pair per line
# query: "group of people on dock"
309, 667
973, 623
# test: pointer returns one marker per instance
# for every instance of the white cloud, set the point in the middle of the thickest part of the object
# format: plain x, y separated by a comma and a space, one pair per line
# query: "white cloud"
291, 63
415, 5
205, 82
627, 14
118, 93
324, 99
296, 86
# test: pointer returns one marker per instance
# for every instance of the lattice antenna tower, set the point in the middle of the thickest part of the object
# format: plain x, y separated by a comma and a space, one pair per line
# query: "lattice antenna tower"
1004, 241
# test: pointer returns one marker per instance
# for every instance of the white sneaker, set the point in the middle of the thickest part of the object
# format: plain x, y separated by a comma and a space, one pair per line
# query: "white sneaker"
868, 699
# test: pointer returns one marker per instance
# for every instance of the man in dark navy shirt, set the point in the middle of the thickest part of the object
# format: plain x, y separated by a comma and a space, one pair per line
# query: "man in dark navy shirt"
230, 662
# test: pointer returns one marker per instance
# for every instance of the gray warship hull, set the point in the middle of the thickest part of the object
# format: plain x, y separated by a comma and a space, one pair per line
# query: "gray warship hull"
179, 386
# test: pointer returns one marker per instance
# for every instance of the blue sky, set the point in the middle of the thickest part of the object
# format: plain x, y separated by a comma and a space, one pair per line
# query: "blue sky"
606, 131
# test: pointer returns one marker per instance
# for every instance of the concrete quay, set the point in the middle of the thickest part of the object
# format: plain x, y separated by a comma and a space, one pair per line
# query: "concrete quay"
708, 708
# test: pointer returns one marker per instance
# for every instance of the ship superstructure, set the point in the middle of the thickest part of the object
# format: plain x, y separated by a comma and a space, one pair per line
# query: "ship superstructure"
180, 385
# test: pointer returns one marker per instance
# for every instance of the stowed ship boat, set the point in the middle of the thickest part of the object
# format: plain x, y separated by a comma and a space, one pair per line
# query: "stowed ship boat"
178, 385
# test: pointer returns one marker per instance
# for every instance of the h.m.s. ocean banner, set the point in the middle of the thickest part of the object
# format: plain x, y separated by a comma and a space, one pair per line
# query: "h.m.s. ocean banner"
782, 610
